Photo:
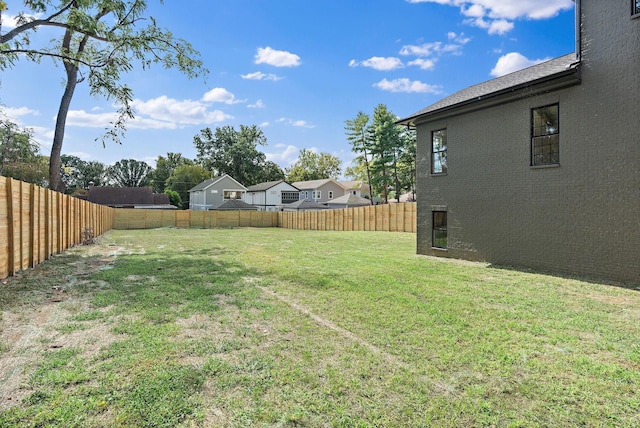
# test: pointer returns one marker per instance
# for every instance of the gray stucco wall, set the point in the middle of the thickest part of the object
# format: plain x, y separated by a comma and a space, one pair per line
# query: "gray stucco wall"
581, 217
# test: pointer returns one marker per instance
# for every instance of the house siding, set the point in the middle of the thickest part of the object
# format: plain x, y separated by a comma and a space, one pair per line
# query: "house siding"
212, 196
581, 217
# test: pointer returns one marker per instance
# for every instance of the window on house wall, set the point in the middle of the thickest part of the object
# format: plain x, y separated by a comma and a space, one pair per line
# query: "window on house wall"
317, 194
288, 197
330, 194
635, 7
439, 151
545, 135
439, 229
232, 194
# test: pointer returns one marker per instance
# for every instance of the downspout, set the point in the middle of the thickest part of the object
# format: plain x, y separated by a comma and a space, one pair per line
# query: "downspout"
578, 24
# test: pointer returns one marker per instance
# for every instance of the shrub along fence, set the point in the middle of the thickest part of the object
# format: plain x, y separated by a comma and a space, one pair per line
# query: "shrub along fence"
36, 223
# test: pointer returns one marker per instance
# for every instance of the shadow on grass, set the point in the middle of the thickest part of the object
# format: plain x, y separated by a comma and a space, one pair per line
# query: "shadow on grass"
634, 286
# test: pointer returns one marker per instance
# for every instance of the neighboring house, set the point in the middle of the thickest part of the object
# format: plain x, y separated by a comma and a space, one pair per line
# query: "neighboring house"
358, 188
319, 190
303, 205
348, 201
128, 197
541, 168
270, 195
213, 192
405, 197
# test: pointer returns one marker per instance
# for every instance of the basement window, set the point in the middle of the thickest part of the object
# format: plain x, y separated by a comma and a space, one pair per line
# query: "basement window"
545, 135
439, 229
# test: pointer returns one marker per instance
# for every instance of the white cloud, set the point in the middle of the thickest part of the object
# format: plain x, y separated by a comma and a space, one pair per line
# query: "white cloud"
453, 47
406, 85
220, 95
378, 63
496, 16
296, 123
257, 104
14, 114
264, 124
188, 112
261, 76
424, 64
276, 58
285, 156
511, 62
159, 113
426, 49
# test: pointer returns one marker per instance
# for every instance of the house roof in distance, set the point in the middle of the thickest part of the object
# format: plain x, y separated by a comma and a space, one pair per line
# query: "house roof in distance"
235, 205
501, 85
349, 200
261, 187
211, 181
305, 204
315, 184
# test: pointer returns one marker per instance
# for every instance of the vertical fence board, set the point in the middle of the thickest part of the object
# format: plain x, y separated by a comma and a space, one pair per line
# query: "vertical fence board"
5, 228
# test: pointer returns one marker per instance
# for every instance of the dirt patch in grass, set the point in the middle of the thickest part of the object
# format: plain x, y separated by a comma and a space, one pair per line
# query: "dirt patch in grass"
31, 326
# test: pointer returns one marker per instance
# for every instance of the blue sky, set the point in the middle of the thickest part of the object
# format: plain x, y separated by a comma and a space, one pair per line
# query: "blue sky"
298, 69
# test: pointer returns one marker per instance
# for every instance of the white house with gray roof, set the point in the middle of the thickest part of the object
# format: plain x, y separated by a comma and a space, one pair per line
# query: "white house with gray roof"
541, 168
268, 196
213, 192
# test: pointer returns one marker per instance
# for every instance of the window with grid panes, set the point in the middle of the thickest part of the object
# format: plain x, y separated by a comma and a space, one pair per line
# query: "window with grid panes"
545, 135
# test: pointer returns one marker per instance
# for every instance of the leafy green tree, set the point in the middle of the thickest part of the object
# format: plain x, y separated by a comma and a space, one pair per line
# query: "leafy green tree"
314, 166
384, 142
174, 198
164, 168
357, 172
270, 171
20, 155
77, 174
233, 152
184, 178
358, 136
407, 161
98, 42
129, 173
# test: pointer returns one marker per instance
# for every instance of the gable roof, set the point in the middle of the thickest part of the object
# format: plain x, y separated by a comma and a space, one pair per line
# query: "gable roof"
545, 72
235, 205
356, 184
211, 181
305, 204
261, 187
315, 184
117, 196
349, 200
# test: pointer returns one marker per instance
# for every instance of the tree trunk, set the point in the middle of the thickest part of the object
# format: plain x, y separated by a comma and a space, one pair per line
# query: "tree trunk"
55, 173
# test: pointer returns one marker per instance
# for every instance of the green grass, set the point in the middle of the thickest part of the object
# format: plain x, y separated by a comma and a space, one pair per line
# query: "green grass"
272, 327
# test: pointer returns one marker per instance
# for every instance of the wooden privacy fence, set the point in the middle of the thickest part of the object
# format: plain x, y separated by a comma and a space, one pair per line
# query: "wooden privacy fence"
36, 223
151, 219
389, 218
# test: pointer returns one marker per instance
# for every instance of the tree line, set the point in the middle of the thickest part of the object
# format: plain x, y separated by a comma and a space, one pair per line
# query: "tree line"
226, 150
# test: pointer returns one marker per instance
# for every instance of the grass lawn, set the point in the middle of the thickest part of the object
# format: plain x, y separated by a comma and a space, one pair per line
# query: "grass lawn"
275, 327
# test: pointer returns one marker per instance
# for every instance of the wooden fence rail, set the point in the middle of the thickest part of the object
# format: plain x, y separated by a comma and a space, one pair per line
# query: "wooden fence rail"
389, 218
36, 223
